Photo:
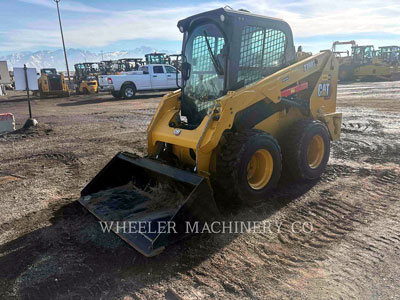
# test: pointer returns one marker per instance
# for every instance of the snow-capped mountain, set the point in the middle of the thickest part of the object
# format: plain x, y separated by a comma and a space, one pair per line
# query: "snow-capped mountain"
55, 59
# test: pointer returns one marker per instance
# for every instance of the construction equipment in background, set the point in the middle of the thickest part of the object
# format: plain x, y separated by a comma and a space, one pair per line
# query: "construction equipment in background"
108, 67
85, 78
368, 66
364, 63
300, 54
52, 84
246, 110
347, 52
156, 58
5, 78
129, 64
113, 67
390, 55
162, 58
175, 60
345, 59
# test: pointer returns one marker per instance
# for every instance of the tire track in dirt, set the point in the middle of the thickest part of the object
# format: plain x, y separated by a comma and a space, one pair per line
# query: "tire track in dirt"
349, 198
370, 226
370, 137
338, 218
50, 159
376, 242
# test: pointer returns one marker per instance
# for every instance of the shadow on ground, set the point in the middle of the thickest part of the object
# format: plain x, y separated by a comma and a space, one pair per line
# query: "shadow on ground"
88, 101
74, 259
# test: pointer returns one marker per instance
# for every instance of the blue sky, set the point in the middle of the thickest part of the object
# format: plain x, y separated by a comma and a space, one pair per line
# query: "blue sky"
112, 25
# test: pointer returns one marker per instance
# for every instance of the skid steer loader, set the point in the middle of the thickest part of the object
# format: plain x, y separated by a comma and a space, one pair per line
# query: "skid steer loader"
246, 107
52, 84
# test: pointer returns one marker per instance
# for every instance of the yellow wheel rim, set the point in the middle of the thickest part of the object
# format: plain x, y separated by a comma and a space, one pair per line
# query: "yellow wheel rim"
315, 151
259, 169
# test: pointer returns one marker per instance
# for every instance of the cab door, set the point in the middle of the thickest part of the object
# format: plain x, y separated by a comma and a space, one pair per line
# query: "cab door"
171, 77
159, 78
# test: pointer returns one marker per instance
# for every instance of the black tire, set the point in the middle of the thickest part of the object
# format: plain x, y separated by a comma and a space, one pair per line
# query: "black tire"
128, 91
116, 94
86, 91
41, 94
304, 134
231, 180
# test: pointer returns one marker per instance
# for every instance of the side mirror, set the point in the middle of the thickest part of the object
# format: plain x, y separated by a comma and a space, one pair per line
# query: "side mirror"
186, 70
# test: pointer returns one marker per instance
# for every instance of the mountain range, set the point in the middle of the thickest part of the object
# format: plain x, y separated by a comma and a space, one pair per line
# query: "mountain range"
55, 59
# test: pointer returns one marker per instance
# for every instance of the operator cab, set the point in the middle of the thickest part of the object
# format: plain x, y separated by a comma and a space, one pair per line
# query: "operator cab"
91, 68
390, 54
363, 54
156, 58
129, 64
48, 72
107, 67
224, 50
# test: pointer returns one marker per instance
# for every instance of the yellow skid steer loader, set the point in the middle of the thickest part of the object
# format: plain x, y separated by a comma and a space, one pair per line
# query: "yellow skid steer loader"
246, 109
52, 84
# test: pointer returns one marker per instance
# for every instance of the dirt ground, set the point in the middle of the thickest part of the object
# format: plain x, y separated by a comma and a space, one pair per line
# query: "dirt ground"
51, 249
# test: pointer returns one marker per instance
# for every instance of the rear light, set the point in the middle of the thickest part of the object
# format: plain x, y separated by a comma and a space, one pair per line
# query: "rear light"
109, 80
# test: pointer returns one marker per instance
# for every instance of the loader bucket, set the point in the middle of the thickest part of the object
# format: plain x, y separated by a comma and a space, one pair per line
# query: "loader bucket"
148, 204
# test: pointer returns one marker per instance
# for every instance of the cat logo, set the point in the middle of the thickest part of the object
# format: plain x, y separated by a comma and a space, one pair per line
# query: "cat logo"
324, 90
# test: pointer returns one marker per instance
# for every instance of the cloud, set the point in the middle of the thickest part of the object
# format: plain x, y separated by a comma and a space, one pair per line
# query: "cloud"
115, 26
307, 18
66, 5
327, 17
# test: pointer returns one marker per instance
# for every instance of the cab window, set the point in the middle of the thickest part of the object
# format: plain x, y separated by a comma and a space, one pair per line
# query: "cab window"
170, 69
145, 70
158, 70
262, 52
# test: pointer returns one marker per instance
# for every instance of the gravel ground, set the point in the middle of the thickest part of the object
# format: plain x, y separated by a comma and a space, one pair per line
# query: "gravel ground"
51, 249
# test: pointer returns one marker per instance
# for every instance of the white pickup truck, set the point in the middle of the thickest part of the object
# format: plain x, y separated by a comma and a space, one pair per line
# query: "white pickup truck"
147, 78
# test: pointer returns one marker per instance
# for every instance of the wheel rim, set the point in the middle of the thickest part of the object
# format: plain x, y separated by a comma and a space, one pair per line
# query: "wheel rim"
259, 169
315, 151
129, 92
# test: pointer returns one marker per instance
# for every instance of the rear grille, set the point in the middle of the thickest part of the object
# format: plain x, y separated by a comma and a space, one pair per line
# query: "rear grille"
55, 84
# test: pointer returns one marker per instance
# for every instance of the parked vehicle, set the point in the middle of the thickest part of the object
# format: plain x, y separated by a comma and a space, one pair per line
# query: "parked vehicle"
247, 109
156, 58
52, 84
147, 78
85, 78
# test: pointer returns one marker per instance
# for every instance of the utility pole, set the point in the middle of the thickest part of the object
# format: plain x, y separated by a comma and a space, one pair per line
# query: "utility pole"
62, 37
27, 91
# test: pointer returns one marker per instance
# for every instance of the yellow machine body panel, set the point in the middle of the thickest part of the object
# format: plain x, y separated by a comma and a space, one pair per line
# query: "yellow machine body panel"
378, 71
52, 86
203, 140
88, 87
